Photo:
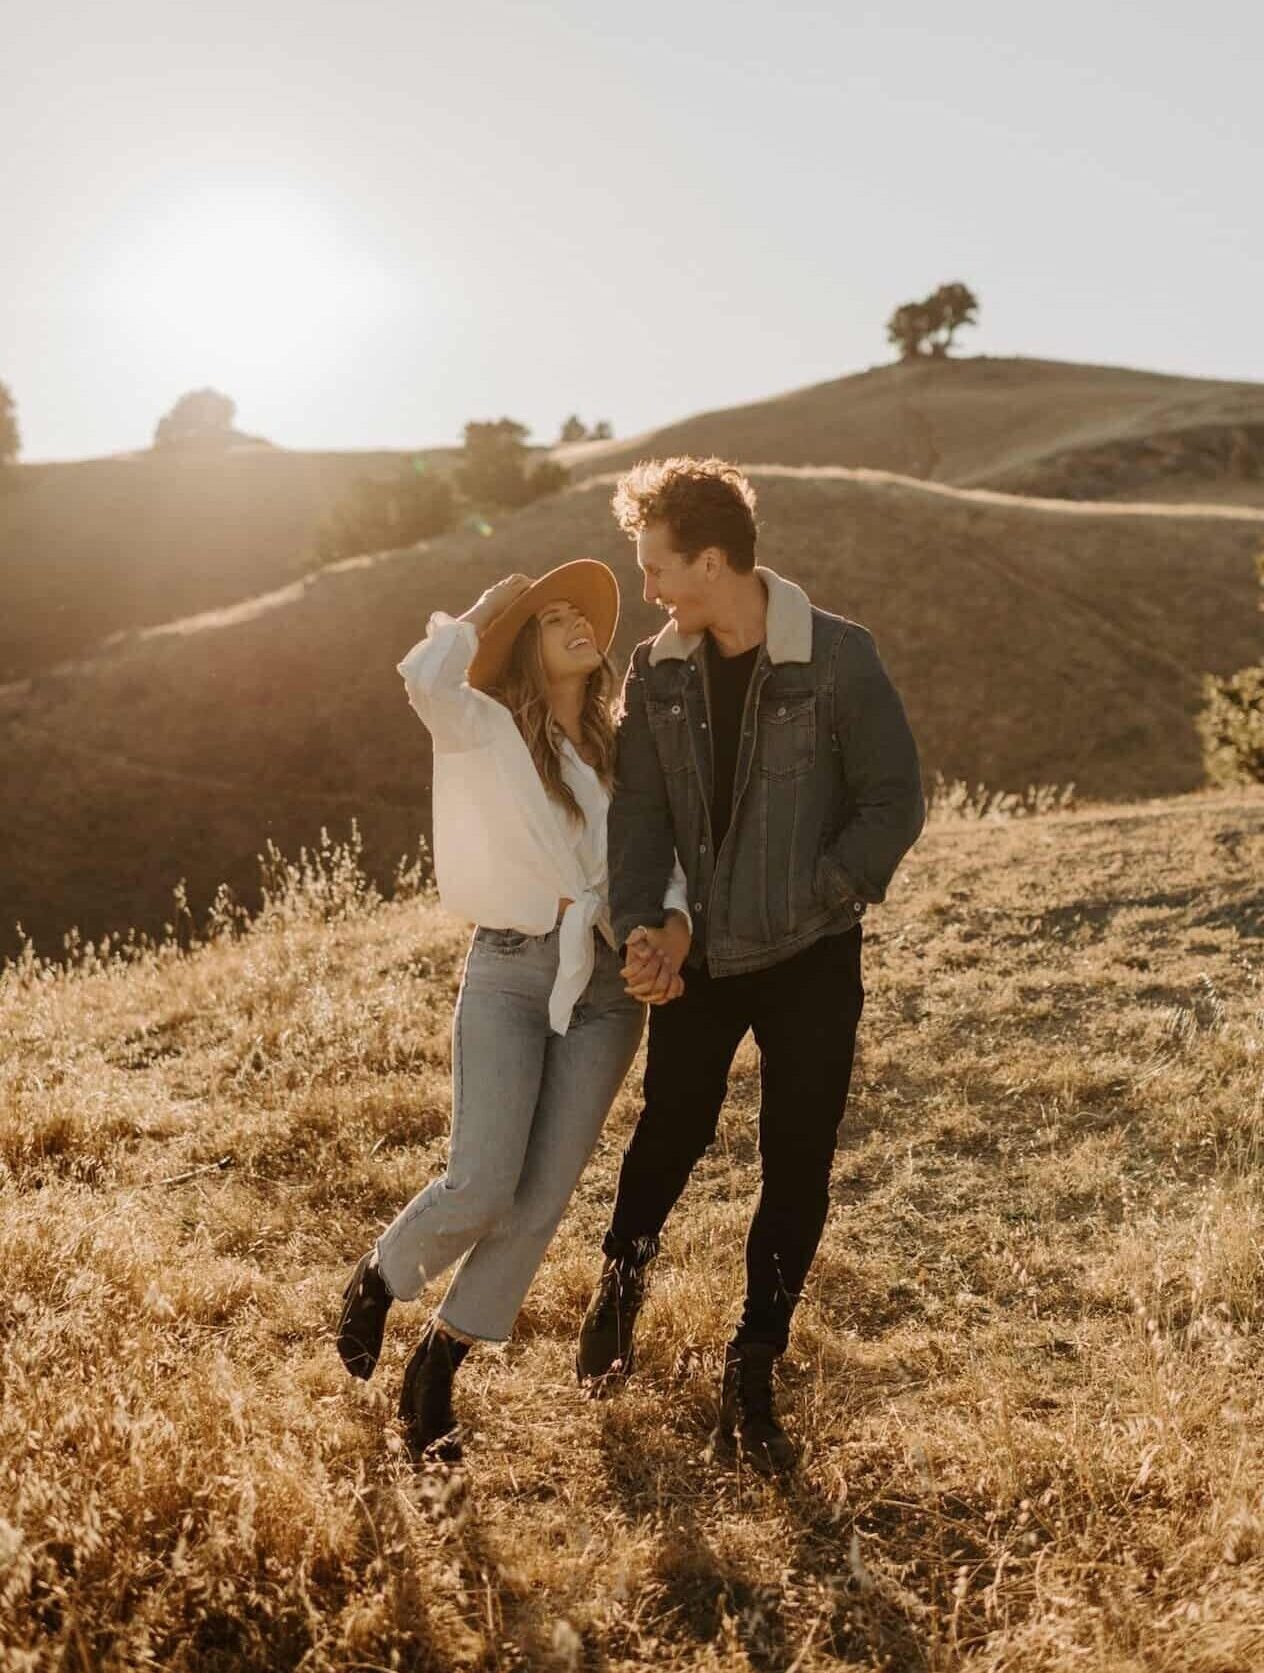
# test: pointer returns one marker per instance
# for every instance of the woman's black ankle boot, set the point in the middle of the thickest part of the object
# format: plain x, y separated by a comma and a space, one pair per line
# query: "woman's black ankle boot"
425, 1400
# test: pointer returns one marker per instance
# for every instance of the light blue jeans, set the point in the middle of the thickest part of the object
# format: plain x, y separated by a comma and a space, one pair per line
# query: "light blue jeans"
528, 1106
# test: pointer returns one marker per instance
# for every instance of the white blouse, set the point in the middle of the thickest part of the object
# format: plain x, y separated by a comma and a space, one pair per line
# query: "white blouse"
505, 852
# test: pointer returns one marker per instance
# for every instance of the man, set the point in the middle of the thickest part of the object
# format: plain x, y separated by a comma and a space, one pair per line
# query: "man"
764, 743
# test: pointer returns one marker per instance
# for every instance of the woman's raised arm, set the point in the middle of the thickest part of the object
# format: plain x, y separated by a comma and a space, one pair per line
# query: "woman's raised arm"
435, 670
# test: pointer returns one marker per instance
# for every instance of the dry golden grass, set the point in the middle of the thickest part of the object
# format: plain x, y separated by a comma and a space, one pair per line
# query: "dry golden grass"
1027, 1371
1029, 426
1033, 643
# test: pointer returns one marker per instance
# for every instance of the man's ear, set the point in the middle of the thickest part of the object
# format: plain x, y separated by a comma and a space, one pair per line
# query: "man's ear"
714, 560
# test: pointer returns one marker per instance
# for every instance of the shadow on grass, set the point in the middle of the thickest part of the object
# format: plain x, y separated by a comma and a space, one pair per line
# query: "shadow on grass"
661, 1473
704, 1596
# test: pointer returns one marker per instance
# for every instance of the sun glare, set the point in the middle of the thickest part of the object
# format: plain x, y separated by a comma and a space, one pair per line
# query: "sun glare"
236, 282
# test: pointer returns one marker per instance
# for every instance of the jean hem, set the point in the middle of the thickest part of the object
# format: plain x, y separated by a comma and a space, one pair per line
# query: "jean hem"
391, 1290
469, 1337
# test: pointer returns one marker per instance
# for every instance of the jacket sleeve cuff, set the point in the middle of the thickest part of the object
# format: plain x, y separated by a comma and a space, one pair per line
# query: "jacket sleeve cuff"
623, 926
676, 895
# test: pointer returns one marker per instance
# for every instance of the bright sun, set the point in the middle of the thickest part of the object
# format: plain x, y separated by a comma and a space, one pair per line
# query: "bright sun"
236, 282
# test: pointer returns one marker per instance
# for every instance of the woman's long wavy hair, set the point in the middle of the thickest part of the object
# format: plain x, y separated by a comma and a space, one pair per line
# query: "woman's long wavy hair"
524, 691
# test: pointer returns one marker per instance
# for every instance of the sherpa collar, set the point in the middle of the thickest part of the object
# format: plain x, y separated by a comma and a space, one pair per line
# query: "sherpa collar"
788, 635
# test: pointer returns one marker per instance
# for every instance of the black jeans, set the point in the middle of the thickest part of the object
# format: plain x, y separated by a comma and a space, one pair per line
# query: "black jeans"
803, 1013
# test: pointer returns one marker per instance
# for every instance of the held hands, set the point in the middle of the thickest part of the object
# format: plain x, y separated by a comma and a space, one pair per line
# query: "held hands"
495, 601
655, 958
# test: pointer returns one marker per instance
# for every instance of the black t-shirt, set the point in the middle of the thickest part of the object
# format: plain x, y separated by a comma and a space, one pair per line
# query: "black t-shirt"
729, 680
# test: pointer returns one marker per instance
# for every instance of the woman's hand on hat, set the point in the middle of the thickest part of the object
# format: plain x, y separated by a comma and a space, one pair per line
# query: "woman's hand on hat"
496, 600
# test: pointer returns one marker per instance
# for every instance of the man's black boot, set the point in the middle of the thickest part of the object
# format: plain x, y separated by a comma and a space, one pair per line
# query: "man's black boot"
605, 1337
425, 1399
365, 1303
747, 1420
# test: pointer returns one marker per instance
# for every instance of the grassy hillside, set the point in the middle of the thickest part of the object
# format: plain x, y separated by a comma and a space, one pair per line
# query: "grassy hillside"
1029, 426
1026, 1371
111, 545
1033, 644
100, 545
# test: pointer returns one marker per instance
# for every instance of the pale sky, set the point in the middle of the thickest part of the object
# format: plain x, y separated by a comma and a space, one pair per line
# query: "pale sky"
370, 222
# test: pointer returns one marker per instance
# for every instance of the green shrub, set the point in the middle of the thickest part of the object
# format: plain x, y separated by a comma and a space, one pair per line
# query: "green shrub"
1231, 724
495, 472
383, 513
1232, 727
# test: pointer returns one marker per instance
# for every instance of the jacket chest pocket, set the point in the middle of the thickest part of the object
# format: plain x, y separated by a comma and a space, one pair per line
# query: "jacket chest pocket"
787, 736
669, 726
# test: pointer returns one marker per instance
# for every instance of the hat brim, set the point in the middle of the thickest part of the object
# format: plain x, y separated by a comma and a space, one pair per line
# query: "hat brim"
587, 584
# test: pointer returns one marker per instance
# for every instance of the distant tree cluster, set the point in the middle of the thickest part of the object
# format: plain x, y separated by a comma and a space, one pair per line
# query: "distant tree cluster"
927, 328
495, 473
202, 418
574, 429
1231, 724
496, 470
381, 513
10, 439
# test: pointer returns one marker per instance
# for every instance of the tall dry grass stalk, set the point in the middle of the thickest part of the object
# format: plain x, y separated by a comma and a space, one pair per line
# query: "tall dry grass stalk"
1027, 1372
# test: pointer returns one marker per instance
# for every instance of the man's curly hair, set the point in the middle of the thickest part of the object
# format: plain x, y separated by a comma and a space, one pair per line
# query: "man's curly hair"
703, 502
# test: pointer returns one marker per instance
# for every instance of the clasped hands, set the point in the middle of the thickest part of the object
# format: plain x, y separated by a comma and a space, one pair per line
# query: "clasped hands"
654, 961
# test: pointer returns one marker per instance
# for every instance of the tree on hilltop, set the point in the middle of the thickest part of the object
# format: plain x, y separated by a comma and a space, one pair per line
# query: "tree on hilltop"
10, 439
495, 468
575, 430
202, 416
909, 328
951, 307
927, 327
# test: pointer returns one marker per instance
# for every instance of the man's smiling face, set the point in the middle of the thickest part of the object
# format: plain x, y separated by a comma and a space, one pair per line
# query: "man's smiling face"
683, 588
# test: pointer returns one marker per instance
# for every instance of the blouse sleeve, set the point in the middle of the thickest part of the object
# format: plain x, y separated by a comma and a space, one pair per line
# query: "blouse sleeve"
434, 674
676, 897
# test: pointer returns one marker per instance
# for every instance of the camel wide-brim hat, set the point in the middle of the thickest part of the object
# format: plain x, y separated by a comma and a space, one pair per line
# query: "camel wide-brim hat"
588, 585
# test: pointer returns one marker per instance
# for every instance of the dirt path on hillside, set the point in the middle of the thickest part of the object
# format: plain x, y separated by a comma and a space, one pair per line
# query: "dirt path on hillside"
994, 496
250, 609
209, 621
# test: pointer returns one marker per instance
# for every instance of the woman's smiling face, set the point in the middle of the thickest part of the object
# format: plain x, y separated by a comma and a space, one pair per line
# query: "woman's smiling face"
568, 646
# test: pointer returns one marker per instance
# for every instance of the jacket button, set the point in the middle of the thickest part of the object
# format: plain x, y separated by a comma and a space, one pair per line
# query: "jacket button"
697, 906
675, 708
782, 709
702, 848
704, 726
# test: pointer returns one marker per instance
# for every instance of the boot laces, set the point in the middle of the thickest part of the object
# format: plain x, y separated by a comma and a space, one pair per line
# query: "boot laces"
755, 1391
617, 1282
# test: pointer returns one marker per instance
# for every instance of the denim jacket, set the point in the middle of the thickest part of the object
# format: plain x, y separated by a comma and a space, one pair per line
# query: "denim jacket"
827, 792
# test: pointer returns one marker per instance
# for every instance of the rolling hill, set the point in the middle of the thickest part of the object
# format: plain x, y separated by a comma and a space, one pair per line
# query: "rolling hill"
1034, 427
105, 545
1033, 642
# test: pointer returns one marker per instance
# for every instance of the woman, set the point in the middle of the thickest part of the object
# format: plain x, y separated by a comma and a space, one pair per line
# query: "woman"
516, 695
